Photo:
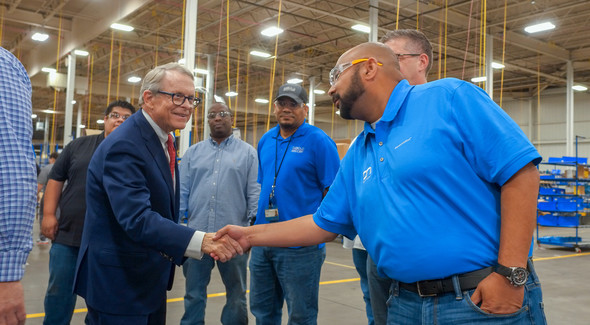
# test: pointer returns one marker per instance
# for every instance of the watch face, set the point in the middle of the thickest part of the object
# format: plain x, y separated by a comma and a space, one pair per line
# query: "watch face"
519, 276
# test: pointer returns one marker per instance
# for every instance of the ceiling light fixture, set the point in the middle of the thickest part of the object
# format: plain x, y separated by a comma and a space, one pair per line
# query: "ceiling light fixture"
82, 126
231, 94
261, 100
81, 52
260, 54
539, 27
294, 81
272, 31
33, 115
579, 88
134, 79
362, 28
49, 70
496, 65
319, 91
40, 37
479, 79
99, 121
49, 111
125, 28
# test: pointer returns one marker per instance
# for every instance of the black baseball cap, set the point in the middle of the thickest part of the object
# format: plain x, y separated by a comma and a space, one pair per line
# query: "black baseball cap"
293, 91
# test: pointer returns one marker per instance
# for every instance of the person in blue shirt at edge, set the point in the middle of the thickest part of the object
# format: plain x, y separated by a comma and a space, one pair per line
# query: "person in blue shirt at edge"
218, 187
441, 187
297, 164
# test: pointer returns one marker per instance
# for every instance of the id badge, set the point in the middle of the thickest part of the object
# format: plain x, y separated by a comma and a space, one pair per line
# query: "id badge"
271, 215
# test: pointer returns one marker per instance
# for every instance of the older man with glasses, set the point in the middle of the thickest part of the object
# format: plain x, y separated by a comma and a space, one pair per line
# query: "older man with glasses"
66, 231
218, 187
132, 239
298, 163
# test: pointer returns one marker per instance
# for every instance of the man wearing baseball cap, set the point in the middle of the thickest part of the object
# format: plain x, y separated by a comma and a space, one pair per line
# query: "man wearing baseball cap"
298, 162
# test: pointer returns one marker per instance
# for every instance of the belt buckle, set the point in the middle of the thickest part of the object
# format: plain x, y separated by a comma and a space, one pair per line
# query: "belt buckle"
420, 291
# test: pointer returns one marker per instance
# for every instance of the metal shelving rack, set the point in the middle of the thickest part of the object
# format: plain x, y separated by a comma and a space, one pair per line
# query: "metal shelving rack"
557, 209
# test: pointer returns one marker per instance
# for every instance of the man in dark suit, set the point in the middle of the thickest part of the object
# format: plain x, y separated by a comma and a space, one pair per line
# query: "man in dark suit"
131, 237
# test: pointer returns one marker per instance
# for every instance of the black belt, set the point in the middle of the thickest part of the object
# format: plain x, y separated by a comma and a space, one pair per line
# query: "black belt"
430, 288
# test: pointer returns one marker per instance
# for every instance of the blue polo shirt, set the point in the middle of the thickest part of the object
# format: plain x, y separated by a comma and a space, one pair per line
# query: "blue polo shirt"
422, 190
309, 166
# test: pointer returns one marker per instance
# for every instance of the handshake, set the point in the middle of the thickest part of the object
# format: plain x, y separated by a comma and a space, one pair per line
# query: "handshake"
226, 243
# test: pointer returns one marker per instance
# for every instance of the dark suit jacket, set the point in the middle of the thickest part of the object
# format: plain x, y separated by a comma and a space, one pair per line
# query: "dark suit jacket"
131, 234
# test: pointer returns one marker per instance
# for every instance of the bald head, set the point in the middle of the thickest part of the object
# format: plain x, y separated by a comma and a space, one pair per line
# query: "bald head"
379, 51
362, 81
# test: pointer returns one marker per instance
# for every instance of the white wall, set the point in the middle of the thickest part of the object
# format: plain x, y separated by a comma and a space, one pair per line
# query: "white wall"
546, 126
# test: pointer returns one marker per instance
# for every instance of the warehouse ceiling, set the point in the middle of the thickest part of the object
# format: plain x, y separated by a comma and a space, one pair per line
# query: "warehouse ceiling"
315, 34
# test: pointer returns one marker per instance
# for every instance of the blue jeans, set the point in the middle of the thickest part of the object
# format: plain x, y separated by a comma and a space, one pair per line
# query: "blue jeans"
198, 275
406, 307
290, 274
359, 258
379, 292
60, 298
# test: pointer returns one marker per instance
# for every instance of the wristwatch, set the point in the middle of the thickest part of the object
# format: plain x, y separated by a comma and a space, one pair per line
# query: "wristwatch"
516, 275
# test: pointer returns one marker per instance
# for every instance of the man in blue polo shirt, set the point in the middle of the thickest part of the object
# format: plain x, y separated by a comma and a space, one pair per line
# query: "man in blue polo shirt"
297, 164
441, 187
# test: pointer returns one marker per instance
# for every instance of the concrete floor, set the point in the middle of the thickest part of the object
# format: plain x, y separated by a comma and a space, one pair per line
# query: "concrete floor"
564, 276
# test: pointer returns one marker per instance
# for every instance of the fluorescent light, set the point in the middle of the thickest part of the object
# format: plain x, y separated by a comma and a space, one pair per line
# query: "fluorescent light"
81, 52
271, 31
338, 112
231, 94
362, 28
496, 65
73, 102
125, 28
33, 115
99, 121
260, 54
539, 27
295, 81
261, 100
478, 79
218, 99
318, 91
201, 71
49, 70
580, 88
40, 37
133, 79
82, 126
181, 61
49, 111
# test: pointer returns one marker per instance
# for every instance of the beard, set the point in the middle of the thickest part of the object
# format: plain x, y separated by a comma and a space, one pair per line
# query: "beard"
350, 97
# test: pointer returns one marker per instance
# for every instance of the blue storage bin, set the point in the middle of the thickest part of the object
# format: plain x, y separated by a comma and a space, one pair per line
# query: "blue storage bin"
547, 206
573, 160
547, 220
568, 221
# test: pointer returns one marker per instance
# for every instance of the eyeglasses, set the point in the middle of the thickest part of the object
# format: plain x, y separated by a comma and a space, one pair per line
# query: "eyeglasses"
337, 70
285, 103
222, 114
400, 55
117, 115
178, 98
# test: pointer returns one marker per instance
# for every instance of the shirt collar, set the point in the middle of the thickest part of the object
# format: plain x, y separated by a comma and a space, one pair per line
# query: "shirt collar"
301, 130
394, 104
225, 142
159, 132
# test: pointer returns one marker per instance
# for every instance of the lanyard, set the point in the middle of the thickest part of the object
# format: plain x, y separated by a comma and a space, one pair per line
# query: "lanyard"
274, 182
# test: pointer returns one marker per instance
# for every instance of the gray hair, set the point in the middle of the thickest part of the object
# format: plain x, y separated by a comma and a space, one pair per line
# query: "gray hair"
153, 79
417, 39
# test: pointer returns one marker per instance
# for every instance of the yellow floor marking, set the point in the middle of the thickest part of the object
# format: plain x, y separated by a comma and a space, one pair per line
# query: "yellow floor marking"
221, 294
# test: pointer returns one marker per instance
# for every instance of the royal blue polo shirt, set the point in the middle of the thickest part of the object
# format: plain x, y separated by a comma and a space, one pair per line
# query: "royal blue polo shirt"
310, 162
422, 190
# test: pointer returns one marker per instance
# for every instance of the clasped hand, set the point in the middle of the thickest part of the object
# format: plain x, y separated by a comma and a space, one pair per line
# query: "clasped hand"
232, 235
221, 248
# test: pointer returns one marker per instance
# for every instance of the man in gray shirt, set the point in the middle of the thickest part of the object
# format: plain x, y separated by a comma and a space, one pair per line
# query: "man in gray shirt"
218, 187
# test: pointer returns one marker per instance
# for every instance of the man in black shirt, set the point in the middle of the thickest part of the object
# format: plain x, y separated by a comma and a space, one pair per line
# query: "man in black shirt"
66, 232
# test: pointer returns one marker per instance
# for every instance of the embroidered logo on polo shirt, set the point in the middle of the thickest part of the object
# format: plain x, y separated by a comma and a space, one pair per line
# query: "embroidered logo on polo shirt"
367, 174
298, 149
404, 142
